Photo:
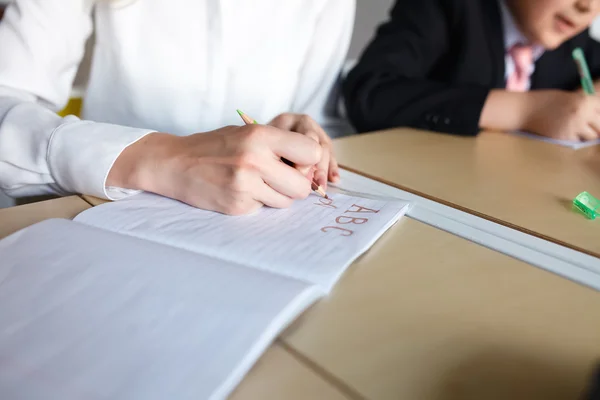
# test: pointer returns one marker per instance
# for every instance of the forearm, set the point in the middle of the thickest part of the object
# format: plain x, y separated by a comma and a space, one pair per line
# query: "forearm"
138, 165
507, 111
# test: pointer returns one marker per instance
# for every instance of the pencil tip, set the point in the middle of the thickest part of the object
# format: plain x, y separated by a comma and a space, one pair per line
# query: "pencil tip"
240, 112
326, 197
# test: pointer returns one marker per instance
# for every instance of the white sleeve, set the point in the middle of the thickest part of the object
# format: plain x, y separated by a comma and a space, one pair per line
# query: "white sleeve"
42, 44
319, 78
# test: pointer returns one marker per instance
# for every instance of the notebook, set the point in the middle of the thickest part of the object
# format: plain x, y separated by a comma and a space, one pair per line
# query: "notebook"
575, 145
148, 298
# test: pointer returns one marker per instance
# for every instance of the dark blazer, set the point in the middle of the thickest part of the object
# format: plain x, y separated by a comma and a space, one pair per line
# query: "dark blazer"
593, 392
434, 63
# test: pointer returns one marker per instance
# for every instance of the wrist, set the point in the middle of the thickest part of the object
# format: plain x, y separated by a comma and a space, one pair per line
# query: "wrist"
527, 108
534, 109
507, 111
138, 166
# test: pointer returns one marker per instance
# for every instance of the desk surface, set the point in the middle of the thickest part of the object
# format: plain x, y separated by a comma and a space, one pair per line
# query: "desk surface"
424, 315
512, 180
427, 315
13, 219
278, 375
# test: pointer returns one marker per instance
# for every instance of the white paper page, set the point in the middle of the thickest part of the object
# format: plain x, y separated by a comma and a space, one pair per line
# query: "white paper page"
88, 314
313, 240
575, 145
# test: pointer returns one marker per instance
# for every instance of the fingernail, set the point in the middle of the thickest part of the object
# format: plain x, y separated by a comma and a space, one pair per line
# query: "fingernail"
321, 178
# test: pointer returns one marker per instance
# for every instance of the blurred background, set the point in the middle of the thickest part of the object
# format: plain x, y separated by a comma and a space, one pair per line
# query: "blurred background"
369, 14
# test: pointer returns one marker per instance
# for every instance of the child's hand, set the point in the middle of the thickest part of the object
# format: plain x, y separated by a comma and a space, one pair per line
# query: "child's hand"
564, 115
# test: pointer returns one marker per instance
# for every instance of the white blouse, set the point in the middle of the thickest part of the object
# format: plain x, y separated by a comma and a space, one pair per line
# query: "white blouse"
176, 66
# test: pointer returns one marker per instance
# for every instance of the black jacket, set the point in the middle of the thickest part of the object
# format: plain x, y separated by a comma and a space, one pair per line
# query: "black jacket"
434, 63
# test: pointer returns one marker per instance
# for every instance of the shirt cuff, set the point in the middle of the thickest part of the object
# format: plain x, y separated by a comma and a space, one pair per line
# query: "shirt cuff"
81, 154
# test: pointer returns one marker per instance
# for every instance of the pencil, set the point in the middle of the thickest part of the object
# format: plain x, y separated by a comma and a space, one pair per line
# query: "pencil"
584, 72
315, 187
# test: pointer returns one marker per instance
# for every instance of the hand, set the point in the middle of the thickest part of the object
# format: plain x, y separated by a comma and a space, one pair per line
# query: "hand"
564, 115
233, 170
327, 167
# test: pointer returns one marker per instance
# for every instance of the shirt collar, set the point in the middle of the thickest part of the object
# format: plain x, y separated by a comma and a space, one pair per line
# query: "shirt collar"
513, 35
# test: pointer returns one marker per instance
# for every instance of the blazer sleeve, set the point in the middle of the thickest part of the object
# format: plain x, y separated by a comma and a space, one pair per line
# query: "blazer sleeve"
593, 392
593, 55
390, 86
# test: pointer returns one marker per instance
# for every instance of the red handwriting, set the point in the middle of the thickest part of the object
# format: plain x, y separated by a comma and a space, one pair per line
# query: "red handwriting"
328, 228
361, 209
351, 220
328, 203
346, 219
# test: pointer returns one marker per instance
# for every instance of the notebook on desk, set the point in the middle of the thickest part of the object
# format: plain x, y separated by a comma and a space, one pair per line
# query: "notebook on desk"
575, 145
148, 298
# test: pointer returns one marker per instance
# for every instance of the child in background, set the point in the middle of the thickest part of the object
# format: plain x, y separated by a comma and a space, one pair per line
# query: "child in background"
460, 66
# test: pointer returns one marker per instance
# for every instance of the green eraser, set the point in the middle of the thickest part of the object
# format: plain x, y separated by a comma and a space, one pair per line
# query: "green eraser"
587, 204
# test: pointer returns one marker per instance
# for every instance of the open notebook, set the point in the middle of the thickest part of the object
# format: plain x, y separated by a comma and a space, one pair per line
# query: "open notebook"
148, 298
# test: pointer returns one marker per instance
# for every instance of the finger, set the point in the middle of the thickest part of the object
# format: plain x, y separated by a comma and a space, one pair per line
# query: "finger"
588, 134
270, 197
595, 123
285, 180
327, 168
322, 171
284, 121
334, 168
311, 174
595, 126
308, 169
331, 168
309, 127
295, 147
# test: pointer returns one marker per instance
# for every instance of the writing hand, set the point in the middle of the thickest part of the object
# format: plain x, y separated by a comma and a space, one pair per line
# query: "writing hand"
234, 170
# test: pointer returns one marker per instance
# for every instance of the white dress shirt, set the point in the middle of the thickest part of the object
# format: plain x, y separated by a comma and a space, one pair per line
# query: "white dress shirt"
180, 67
514, 36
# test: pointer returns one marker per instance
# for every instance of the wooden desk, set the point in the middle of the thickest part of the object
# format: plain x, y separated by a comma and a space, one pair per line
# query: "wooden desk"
278, 374
15, 218
427, 315
424, 315
511, 180
94, 201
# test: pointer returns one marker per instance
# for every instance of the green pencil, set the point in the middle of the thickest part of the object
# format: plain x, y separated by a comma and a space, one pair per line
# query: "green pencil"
246, 118
584, 72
